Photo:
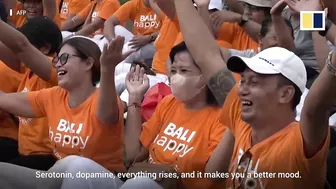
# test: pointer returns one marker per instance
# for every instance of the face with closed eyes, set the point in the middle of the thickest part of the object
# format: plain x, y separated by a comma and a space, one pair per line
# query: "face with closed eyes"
261, 96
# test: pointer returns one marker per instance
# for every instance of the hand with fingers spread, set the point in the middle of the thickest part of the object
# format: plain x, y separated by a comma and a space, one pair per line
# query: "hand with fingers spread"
137, 82
278, 7
112, 54
304, 5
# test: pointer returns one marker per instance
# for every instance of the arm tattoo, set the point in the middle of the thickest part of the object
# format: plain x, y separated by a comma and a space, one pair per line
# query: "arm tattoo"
221, 84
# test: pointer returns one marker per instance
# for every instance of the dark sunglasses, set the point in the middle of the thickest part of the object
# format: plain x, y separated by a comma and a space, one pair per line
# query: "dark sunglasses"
63, 59
244, 160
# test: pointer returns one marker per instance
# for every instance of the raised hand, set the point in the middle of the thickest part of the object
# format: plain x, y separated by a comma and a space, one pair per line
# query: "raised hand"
304, 5
112, 53
137, 82
278, 7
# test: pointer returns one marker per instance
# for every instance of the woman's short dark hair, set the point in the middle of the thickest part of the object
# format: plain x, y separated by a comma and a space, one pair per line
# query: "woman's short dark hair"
41, 32
182, 47
85, 48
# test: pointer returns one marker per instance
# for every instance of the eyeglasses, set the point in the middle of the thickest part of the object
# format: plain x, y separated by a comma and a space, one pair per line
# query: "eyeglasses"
244, 160
63, 59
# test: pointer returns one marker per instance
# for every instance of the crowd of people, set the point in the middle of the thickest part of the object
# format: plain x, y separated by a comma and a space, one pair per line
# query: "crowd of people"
166, 86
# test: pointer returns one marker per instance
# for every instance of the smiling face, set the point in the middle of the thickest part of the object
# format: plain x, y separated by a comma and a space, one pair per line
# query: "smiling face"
71, 69
33, 7
261, 96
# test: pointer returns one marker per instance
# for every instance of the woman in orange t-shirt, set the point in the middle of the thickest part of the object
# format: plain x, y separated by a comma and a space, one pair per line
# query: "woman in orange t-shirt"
146, 17
83, 120
182, 133
69, 8
26, 9
27, 51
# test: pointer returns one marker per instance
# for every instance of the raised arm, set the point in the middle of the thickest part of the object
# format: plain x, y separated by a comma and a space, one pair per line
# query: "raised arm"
203, 10
49, 7
25, 51
108, 109
156, 9
137, 84
208, 55
16, 103
283, 33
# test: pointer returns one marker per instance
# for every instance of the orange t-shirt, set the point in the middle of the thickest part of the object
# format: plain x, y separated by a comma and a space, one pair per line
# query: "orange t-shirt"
164, 43
78, 131
280, 153
185, 142
103, 10
9, 83
221, 43
33, 132
144, 19
71, 7
19, 16
233, 34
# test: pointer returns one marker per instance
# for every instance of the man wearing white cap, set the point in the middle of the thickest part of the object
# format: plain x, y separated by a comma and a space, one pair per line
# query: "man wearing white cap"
263, 141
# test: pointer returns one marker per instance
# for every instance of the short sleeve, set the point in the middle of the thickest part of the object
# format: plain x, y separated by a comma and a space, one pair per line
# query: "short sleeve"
76, 6
38, 101
86, 11
216, 135
230, 114
227, 32
151, 128
124, 12
245, 53
108, 9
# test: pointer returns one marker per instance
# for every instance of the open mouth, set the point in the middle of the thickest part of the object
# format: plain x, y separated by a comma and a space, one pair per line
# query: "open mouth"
61, 72
31, 12
247, 103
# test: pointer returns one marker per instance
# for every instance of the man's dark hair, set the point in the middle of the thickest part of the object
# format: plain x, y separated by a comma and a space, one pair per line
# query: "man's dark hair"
3, 12
42, 31
297, 94
182, 47
267, 23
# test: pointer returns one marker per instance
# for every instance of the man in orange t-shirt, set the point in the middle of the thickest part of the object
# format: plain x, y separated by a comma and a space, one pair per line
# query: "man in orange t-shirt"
241, 29
70, 8
9, 128
146, 18
26, 9
280, 139
93, 16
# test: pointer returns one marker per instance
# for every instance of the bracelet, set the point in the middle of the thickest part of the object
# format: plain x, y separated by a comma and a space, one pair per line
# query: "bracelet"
136, 105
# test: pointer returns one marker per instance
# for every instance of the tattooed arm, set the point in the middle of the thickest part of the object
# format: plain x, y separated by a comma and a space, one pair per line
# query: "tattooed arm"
221, 84
207, 56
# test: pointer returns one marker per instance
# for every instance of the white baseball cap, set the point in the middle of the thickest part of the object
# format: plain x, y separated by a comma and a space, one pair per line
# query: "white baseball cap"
274, 60
214, 4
